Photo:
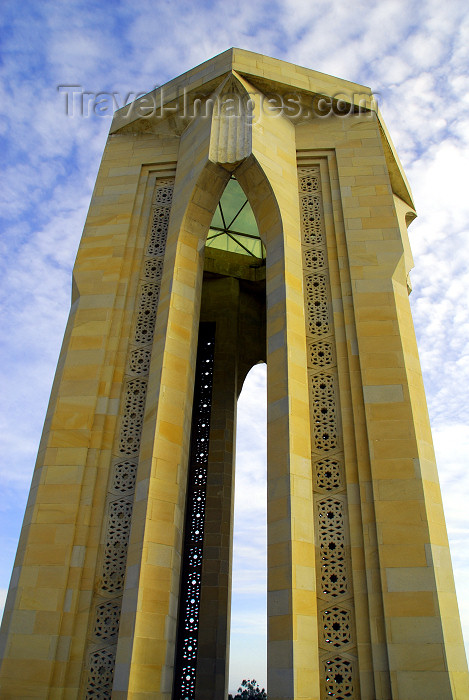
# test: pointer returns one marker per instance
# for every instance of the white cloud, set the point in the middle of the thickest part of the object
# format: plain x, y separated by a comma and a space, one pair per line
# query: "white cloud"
451, 448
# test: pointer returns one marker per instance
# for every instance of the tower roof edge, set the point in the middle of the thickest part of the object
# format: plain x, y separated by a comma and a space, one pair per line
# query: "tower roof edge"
267, 73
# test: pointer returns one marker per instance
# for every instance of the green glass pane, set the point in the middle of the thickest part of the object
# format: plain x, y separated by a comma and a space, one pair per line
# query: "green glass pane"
235, 243
217, 220
234, 227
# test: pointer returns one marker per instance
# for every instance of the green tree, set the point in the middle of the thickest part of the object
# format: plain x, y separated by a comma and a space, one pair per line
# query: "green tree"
249, 690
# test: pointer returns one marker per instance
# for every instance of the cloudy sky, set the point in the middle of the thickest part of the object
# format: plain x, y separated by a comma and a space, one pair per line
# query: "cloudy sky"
412, 53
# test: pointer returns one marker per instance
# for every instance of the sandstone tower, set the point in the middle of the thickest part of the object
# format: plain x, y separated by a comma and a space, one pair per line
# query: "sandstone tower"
249, 210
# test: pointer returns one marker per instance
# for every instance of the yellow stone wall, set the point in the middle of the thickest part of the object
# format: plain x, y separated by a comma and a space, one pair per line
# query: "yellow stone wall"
396, 509
406, 639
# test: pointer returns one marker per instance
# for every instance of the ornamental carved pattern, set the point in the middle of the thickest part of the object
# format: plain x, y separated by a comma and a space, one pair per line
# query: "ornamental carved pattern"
334, 583
118, 519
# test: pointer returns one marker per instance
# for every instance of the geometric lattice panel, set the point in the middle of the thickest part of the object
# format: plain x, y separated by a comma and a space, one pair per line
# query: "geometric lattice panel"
159, 231
311, 219
328, 474
117, 542
132, 418
331, 530
149, 295
101, 674
163, 192
339, 678
314, 259
336, 625
107, 619
153, 268
323, 402
333, 579
145, 327
331, 535
317, 311
316, 287
139, 362
160, 218
146, 317
309, 180
125, 474
320, 354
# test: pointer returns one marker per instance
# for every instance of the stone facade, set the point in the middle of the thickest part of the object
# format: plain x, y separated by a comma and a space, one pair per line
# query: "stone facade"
361, 601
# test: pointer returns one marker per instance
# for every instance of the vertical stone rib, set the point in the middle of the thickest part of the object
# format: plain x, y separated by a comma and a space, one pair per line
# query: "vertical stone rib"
337, 636
231, 136
101, 654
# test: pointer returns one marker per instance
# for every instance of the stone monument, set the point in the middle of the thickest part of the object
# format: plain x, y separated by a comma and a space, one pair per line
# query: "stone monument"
249, 210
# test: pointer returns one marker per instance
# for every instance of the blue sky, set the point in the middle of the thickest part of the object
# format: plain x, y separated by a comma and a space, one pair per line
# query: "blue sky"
413, 54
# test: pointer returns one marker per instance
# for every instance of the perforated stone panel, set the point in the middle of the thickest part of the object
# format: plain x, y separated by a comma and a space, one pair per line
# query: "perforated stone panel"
333, 579
159, 231
323, 401
339, 678
331, 531
317, 308
314, 259
320, 354
149, 295
153, 268
101, 674
163, 191
160, 217
310, 208
132, 418
125, 474
144, 329
337, 627
328, 475
316, 288
309, 180
117, 542
146, 316
332, 554
107, 619
139, 362
331, 516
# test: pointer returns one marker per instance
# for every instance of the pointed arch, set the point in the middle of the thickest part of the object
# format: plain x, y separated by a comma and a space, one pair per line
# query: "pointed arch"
272, 190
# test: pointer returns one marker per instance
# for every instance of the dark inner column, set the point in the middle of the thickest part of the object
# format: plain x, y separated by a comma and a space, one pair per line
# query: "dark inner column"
237, 306
191, 570
233, 302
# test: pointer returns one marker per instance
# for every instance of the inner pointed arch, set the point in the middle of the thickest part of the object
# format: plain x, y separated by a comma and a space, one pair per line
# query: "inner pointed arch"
234, 228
